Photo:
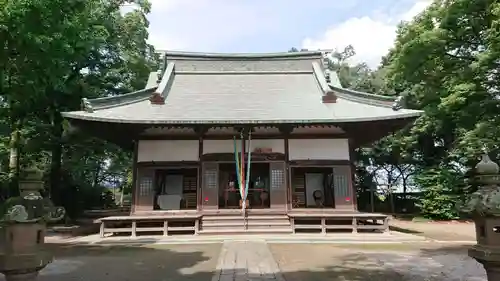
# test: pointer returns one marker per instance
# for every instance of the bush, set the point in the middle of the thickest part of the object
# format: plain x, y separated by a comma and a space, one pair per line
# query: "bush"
441, 189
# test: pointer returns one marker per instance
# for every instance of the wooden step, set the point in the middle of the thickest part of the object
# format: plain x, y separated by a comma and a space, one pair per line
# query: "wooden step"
241, 222
238, 212
252, 217
228, 231
255, 224
237, 223
249, 225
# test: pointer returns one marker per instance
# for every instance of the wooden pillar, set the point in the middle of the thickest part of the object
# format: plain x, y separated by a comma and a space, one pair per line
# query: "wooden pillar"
286, 131
200, 132
354, 225
165, 228
134, 229
197, 226
288, 176
199, 194
352, 168
101, 229
243, 161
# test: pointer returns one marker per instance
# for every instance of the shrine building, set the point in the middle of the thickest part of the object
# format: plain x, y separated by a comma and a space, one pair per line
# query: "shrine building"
284, 113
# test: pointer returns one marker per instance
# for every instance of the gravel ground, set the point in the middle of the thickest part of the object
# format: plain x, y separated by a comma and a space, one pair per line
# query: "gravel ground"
395, 263
151, 263
297, 262
443, 231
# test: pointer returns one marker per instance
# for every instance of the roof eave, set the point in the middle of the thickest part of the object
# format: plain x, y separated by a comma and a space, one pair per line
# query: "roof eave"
89, 117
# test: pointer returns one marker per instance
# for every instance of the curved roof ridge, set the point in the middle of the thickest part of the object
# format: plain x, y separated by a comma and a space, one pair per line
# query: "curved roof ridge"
383, 100
111, 101
334, 79
242, 72
276, 55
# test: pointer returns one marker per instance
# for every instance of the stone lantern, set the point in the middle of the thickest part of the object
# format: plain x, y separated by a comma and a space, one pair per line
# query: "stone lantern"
484, 207
22, 230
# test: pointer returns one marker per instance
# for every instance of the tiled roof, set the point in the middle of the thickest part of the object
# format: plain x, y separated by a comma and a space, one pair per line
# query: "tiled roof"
242, 88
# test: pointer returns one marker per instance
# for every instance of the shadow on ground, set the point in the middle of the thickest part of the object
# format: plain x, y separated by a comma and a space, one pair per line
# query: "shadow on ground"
394, 262
343, 273
134, 263
437, 231
404, 230
198, 262
457, 249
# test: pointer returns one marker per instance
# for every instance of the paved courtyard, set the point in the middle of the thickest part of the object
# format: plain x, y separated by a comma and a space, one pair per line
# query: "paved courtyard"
257, 260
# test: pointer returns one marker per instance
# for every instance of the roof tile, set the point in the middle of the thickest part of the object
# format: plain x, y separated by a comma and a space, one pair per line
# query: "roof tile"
246, 89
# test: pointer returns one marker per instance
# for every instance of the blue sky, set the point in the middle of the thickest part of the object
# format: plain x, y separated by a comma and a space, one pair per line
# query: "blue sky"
278, 25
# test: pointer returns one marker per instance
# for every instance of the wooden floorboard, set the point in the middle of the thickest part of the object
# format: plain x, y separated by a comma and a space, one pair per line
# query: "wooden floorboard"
195, 214
299, 219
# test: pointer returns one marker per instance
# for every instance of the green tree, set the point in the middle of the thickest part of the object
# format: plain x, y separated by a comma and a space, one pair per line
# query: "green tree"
55, 53
445, 62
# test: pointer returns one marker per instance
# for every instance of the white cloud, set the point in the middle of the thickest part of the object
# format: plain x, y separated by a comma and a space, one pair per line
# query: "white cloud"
207, 25
161, 11
415, 10
371, 36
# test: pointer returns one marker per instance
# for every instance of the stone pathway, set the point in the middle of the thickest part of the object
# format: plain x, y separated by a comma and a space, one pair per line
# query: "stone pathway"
249, 260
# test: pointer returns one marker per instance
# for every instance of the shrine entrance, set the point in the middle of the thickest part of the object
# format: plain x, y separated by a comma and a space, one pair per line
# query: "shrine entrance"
258, 187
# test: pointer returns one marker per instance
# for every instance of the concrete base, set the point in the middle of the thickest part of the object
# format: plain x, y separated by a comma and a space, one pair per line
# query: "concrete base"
489, 257
360, 238
492, 270
31, 276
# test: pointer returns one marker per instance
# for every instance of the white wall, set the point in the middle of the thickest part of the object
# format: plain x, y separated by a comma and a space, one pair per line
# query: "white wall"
218, 146
168, 150
187, 150
227, 146
318, 149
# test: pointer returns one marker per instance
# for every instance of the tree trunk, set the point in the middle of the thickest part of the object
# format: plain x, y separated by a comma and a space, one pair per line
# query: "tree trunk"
14, 145
390, 180
121, 196
97, 173
391, 201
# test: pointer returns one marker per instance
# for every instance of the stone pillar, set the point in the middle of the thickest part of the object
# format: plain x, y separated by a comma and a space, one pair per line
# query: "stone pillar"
484, 207
22, 230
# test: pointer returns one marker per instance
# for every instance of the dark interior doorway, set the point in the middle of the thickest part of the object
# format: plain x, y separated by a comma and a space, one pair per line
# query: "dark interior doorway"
258, 187
312, 187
